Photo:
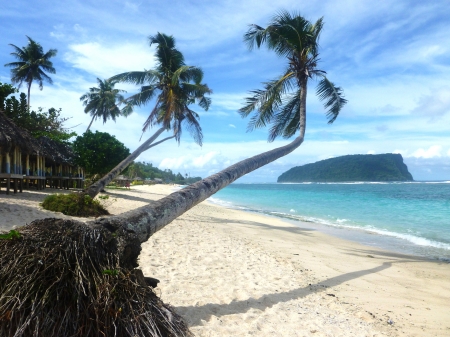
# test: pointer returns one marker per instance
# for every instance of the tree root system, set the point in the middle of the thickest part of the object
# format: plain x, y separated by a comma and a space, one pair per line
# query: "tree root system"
64, 278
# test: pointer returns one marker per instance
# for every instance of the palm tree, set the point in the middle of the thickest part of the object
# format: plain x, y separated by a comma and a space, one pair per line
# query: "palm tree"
175, 86
282, 102
102, 102
31, 64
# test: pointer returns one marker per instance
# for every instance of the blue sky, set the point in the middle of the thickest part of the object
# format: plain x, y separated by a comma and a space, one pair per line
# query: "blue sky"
392, 59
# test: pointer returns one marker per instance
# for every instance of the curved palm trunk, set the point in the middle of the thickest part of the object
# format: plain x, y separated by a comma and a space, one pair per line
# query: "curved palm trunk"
92, 120
145, 221
95, 188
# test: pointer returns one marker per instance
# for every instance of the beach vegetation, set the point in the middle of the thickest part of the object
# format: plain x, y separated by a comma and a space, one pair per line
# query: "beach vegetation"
31, 65
175, 86
74, 204
102, 101
98, 152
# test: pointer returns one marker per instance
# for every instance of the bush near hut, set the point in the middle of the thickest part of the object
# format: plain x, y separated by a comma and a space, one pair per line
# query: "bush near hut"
74, 204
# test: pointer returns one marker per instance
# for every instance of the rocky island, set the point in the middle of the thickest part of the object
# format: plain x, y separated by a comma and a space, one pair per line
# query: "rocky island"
380, 167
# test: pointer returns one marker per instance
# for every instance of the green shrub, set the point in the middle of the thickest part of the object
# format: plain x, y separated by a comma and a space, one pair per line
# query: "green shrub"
74, 204
137, 182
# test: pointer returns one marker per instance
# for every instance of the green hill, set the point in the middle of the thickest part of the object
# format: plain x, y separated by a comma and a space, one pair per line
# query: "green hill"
360, 167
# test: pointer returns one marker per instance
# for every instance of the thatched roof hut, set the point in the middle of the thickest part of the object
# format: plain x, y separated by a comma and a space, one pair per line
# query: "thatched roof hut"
56, 153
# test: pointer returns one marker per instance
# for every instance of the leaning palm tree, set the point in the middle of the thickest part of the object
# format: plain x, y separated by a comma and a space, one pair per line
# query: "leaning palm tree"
102, 102
31, 64
175, 86
282, 102
85, 284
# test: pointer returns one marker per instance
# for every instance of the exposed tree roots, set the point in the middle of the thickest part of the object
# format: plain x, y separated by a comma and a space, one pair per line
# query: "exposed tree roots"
63, 278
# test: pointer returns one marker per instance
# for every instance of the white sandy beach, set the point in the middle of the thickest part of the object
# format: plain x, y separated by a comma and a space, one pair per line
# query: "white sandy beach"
234, 273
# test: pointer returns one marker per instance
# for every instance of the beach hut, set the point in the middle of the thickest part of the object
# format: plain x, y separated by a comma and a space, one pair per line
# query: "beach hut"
122, 180
16, 147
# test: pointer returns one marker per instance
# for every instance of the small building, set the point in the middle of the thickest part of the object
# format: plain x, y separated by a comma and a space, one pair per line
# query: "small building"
122, 180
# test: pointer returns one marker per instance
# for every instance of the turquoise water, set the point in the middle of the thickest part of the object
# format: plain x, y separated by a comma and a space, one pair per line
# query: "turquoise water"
411, 218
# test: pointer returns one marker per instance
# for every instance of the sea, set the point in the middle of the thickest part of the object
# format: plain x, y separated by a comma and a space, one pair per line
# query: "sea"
405, 217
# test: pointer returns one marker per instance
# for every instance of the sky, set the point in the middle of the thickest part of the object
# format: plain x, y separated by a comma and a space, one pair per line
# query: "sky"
391, 58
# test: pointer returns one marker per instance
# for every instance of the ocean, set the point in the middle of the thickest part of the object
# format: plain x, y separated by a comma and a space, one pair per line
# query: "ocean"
410, 218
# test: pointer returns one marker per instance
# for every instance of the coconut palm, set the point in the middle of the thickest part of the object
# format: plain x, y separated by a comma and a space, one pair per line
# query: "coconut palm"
102, 102
31, 64
175, 86
282, 102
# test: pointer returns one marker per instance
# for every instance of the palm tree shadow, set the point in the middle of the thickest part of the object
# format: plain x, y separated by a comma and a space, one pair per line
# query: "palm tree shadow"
132, 197
291, 229
195, 314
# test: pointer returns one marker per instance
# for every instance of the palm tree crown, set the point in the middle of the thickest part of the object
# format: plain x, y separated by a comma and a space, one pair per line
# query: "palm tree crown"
175, 86
31, 64
102, 102
282, 102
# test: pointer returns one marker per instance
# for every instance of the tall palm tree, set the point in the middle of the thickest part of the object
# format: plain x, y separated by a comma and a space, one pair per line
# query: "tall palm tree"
31, 64
282, 102
102, 102
175, 86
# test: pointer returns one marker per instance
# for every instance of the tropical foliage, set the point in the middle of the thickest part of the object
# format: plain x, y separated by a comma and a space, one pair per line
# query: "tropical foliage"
148, 171
31, 65
174, 85
98, 152
102, 102
282, 102
39, 123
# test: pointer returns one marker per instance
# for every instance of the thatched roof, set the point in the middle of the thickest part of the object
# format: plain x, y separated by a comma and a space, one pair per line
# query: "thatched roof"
11, 135
56, 152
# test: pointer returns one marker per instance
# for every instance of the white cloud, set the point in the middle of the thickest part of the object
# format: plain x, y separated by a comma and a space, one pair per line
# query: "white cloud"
105, 61
433, 151
232, 126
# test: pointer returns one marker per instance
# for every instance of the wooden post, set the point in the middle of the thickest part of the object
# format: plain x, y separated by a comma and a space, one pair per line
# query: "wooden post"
8, 163
20, 160
27, 164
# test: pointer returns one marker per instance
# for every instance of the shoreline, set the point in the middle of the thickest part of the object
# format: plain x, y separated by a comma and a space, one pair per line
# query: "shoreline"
235, 273
389, 242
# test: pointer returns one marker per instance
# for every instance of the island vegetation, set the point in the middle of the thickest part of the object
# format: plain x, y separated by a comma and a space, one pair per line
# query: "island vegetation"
380, 167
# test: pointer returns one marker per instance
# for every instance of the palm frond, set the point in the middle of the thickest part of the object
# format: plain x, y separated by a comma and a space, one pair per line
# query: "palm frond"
333, 97
287, 120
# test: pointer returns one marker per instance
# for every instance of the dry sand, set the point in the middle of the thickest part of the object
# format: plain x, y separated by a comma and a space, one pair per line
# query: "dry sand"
233, 273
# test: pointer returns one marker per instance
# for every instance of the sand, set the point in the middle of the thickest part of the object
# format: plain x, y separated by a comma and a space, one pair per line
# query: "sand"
234, 273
